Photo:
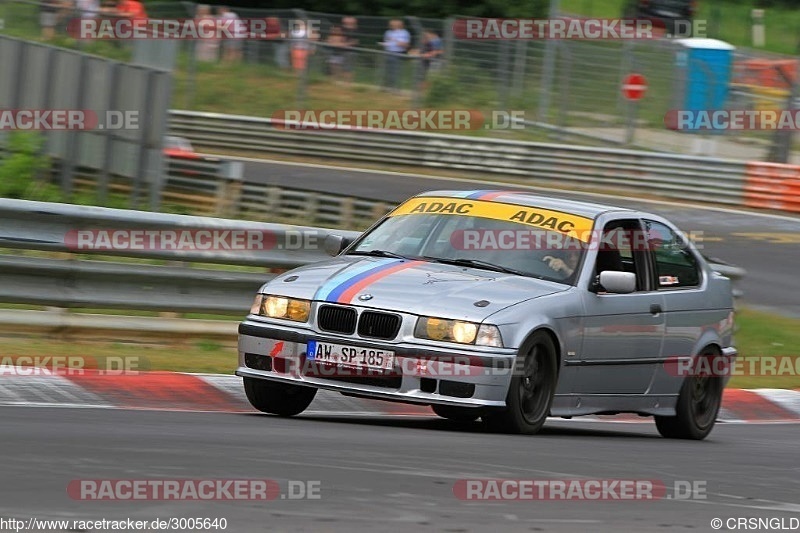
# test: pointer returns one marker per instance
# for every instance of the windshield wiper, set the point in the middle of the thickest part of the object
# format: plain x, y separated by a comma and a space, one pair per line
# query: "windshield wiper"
476, 263
378, 253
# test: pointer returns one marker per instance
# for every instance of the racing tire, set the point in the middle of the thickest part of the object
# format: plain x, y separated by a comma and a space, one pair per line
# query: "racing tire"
531, 391
457, 414
697, 408
278, 398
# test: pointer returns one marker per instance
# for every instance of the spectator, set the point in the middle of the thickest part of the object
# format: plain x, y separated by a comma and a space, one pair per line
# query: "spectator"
89, 9
132, 9
336, 42
206, 50
301, 46
432, 51
48, 18
396, 41
276, 37
232, 47
349, 30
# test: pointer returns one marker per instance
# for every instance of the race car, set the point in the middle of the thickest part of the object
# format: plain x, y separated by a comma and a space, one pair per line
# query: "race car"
504, 306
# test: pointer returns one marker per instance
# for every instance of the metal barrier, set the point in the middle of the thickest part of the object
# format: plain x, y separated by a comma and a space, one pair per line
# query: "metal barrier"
74, 282
675, 176
773, 186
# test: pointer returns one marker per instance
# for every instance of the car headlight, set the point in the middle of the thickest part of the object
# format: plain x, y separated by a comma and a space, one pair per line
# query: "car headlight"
281, 307
460, 331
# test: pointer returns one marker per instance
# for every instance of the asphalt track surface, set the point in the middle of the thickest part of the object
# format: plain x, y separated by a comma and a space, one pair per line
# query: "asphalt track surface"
390, 474
380, 473
767, 246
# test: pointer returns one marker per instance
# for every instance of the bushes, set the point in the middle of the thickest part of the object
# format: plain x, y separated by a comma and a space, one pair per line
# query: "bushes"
23, 169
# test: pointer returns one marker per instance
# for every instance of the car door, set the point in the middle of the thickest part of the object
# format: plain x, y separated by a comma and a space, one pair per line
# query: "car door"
687, 311
622, 333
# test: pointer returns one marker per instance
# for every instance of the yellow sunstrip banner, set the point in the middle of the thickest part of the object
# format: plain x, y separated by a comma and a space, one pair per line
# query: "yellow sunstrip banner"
572, 225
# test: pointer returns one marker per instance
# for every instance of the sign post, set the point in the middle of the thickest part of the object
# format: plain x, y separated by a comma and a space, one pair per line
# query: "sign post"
633, 88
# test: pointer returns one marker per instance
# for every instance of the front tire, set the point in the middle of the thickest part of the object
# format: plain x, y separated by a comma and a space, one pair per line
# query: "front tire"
697, 408
458, 414
278, 398
531, 391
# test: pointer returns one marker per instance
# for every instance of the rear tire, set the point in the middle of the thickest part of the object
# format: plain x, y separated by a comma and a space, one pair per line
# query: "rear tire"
458, 414
697, 408
531, 391
278, 398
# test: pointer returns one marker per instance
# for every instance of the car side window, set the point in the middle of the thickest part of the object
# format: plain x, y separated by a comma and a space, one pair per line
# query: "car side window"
676, 265
618, 250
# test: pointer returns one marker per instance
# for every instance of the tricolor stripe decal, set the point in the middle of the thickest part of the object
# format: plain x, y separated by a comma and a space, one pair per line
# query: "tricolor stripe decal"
343, 287
361, 282
348, 273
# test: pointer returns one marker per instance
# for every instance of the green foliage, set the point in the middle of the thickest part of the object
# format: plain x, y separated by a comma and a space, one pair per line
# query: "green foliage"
22, 168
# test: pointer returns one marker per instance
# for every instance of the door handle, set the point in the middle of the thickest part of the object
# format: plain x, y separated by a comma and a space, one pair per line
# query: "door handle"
655, 309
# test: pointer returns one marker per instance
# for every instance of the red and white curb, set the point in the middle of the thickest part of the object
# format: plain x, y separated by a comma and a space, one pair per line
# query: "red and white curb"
173, 391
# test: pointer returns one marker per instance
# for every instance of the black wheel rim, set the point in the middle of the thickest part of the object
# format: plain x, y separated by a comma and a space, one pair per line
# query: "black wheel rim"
705, 400
534, 386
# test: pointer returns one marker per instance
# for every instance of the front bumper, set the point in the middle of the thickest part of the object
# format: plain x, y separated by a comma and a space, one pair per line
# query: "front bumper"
424, 372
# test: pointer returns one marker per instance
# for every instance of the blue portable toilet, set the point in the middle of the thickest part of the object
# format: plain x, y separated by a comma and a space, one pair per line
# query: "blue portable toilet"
704, 68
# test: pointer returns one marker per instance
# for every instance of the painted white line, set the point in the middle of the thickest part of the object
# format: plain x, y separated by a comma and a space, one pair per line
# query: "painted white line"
506, 184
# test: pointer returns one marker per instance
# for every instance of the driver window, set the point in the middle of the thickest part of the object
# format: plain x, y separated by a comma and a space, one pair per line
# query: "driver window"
620, 250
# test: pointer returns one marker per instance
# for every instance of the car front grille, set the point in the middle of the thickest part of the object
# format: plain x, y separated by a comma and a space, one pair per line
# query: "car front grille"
337, 319
378, 325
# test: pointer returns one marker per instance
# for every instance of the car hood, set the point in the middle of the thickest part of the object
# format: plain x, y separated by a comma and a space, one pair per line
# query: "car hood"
417, 287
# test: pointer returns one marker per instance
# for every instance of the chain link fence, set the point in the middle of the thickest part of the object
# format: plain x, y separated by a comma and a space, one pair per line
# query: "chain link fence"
565, 89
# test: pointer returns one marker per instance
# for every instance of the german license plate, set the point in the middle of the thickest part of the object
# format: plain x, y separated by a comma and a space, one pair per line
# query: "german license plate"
354, 356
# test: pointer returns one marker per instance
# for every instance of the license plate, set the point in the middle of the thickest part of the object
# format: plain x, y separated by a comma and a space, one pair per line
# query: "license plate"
354, 356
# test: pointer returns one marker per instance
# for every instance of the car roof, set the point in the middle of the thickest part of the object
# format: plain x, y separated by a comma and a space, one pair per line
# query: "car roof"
528, 199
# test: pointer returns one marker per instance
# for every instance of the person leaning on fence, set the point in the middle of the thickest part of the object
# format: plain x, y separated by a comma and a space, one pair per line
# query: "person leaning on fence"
396, 41
335, 53
350, 32
205, 49
301, 46
231, 47
432, 52
278, 43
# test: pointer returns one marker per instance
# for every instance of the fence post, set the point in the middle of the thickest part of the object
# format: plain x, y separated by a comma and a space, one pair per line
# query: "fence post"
229, 188
302, 80
548, 68
68, 162
110, 137
520, 57
782, 141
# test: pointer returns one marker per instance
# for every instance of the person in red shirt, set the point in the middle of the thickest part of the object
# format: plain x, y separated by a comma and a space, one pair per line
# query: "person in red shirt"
131, 9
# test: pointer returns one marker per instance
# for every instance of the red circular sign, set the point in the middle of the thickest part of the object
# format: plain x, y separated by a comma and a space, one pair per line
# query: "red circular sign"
634, 86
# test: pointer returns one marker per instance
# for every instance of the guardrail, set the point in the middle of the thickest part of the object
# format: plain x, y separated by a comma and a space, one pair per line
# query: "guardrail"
669, 175
68, 280
65, 278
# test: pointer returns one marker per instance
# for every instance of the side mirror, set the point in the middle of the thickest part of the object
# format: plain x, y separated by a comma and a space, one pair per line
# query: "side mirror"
334, 244
617, 282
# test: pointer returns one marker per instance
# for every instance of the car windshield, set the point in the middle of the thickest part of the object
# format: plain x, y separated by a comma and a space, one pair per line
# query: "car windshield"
478, 242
